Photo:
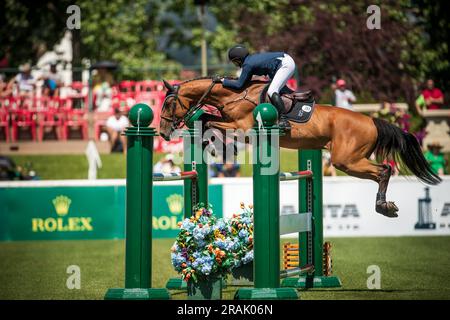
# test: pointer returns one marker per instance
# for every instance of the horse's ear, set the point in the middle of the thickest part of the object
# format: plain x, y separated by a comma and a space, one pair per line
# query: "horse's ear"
168, 86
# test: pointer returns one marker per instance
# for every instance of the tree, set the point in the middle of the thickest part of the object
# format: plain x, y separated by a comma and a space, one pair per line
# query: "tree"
124, 31
433, 18
332, 40
28, 30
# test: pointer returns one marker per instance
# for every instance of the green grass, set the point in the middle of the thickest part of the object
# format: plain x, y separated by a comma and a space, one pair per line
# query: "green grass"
56, 167
411, 268
59, 167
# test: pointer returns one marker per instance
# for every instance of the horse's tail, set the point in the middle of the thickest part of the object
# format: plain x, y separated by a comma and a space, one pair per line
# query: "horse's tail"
403, 147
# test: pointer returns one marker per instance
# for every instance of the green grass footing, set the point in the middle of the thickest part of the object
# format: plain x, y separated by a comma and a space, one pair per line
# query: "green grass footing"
411, 268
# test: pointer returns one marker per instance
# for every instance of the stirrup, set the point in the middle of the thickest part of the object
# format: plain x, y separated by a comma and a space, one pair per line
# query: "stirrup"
283, 123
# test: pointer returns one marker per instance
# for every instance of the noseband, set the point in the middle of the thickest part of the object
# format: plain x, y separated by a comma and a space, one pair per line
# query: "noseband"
177, 123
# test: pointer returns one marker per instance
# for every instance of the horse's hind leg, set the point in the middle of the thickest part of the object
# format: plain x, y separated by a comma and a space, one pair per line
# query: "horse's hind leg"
380, 173
387, 208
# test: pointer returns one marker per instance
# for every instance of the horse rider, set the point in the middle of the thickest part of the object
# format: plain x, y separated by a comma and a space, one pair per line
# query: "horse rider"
278, 66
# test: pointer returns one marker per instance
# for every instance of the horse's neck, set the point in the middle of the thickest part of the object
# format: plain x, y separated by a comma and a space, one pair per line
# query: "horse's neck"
226, 100
219, 95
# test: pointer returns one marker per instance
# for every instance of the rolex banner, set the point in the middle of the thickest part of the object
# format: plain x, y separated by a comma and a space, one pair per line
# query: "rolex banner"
51, 210
85, 210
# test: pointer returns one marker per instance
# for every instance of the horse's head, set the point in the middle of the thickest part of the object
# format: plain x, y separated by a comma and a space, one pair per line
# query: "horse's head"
174, 109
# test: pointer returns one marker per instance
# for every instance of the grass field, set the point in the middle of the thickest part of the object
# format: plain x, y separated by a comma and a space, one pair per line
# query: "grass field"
55, 167
411, 268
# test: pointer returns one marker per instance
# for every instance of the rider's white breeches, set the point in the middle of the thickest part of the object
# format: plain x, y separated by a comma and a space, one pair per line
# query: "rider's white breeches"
284, 73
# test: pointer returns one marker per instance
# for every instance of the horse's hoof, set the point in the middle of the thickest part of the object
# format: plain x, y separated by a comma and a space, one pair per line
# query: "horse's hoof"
388, 209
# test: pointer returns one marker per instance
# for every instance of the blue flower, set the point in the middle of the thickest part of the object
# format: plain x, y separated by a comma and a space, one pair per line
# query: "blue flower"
187, 224
248, 257
243, 233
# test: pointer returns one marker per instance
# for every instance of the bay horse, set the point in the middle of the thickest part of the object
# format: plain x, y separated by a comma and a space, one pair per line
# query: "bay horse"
351, 137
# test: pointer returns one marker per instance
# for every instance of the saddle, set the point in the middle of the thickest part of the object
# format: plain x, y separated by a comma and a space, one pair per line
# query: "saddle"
299, 105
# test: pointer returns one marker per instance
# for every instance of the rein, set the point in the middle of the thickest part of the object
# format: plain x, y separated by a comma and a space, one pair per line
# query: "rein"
190, 111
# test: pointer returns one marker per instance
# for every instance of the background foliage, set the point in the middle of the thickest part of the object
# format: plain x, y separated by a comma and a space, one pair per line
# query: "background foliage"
327, 39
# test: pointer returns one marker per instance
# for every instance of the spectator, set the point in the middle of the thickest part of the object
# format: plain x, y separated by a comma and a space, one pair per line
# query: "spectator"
344, 97
433, 97
115, 124
420, 104
103, 90
10, 171
24, 80
226, 170
52, 81
436, 158
166, 165
4, 60
333, 87
3, 86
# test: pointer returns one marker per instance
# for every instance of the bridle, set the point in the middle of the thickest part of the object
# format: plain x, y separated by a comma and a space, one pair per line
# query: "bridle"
178, 123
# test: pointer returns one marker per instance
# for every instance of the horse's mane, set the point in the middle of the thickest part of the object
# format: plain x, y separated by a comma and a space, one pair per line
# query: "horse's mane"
198, 78
230, 78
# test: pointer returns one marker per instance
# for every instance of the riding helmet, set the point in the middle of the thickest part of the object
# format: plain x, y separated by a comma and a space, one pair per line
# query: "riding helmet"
237, 54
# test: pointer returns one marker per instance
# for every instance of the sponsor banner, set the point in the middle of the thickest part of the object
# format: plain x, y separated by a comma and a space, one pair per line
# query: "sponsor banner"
52, 210
349, 205
69, 210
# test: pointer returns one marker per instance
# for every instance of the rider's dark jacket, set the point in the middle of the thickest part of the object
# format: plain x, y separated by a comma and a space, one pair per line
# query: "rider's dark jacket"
260, 64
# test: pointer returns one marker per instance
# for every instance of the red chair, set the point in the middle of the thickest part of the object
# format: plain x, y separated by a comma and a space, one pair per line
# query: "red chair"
4, 122
5, 104
49, 116
78, 95
122, 101
154, 99
26, 103
100, 119
147, 86
75, 119
22, 119
10, 103
128, 87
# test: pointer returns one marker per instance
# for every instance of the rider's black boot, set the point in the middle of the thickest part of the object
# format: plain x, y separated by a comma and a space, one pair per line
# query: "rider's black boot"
276, 100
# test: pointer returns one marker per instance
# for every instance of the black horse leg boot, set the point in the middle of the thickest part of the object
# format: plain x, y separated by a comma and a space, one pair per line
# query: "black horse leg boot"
276, 100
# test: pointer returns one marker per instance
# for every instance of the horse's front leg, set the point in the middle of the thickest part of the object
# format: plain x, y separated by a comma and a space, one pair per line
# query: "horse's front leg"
223, 143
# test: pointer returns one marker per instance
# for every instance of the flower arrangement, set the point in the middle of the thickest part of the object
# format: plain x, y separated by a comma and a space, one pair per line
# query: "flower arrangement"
204, 246
211, 247
242, 230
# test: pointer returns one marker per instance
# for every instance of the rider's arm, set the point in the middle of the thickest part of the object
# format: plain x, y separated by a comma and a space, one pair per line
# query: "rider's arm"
245, 76
351, 96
